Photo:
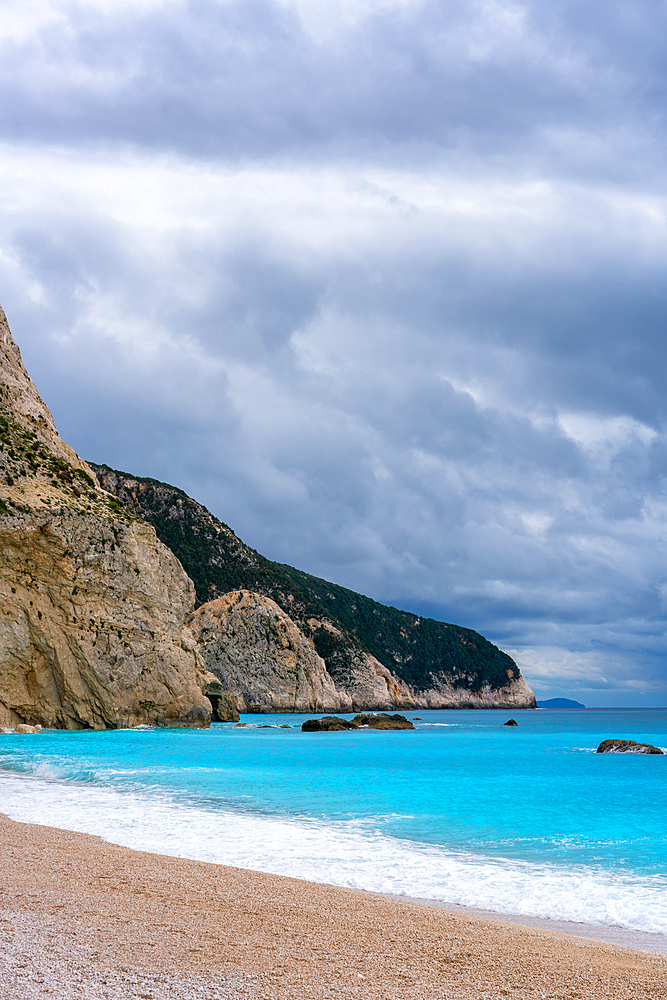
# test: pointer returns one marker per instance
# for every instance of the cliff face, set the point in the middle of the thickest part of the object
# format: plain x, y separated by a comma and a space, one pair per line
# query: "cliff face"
377, 657
261, 658
92, 604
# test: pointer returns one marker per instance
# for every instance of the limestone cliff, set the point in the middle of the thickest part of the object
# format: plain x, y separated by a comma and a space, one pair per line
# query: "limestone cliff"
265, 663
377, 657
262, 660
92, 604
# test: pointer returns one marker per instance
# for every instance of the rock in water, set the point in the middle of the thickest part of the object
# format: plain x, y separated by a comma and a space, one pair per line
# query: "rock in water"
627, 746
92, 605
370, 720
223, 708
263, 661
511, 722
327, 724
379, 720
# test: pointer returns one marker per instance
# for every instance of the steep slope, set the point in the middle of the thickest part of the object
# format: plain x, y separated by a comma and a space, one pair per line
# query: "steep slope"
261, 658
381, 657
92, 604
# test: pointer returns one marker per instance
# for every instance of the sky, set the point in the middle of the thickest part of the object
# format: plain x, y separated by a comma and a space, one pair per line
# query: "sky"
381, 283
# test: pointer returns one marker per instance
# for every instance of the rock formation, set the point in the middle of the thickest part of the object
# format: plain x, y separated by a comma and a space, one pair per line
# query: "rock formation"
260, 657
380, 720
371, 720
627, 746
92, 604
376, 657
327, 724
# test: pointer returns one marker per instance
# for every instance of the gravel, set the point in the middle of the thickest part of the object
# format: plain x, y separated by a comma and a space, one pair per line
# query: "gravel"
80, 918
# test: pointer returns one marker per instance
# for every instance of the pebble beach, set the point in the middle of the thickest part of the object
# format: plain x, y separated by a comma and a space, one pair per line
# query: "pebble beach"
80, 917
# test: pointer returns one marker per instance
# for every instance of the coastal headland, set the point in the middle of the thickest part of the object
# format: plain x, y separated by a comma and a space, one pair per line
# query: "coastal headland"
102, 627
84, 918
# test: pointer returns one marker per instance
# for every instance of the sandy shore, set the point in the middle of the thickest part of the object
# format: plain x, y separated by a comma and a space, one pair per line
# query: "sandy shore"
83, 918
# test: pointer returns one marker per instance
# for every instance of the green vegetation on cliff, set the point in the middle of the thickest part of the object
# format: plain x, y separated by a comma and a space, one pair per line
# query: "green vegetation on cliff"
418, 650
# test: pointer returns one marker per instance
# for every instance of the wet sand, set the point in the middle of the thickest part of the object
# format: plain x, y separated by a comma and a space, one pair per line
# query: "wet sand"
596, 932
83, 918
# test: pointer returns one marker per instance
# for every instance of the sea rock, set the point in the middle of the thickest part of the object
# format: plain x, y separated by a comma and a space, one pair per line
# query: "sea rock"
21, 728
262, 660
222, 708
92, 604
376, 720
511, 722
327, 724
627, 746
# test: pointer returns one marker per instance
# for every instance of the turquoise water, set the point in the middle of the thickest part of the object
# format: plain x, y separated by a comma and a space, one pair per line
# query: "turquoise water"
523, 820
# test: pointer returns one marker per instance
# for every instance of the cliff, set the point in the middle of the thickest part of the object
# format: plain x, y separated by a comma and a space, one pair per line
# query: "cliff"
261, 658
92, 604
376, 656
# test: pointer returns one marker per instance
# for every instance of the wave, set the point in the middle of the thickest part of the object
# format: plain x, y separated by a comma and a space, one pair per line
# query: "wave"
338, 852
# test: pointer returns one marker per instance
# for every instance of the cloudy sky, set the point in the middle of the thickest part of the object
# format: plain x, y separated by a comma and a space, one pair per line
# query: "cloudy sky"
380, 282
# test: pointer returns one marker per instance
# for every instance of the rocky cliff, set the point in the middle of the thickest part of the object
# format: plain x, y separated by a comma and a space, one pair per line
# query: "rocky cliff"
377, 657
261, 658
92, 604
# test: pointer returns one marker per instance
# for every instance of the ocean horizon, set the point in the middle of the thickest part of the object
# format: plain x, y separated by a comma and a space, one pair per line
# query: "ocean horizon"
524, 820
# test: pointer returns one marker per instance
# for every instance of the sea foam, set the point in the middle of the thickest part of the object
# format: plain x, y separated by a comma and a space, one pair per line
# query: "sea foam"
345, 853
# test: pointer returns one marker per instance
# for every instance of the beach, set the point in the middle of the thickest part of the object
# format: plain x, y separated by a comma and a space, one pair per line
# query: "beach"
84, 918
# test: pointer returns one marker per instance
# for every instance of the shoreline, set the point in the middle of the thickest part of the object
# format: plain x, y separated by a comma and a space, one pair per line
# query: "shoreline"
623, 937
80, 917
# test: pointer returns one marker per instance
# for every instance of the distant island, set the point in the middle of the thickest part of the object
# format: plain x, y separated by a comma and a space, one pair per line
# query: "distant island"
560, 703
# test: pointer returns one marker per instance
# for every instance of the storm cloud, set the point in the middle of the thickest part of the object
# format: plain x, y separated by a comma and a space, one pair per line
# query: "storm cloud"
382, 284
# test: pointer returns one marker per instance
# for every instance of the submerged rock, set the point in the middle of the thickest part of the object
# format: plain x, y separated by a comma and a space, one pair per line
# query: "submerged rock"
327, 724
627, 746
375, 720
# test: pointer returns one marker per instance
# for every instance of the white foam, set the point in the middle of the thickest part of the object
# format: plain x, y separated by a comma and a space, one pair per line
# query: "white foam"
339, 853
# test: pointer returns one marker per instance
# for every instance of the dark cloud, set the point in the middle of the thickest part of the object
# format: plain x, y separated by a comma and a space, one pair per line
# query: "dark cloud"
259, 78
382, 286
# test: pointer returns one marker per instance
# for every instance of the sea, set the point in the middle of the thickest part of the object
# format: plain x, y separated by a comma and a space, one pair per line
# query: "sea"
524, 820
